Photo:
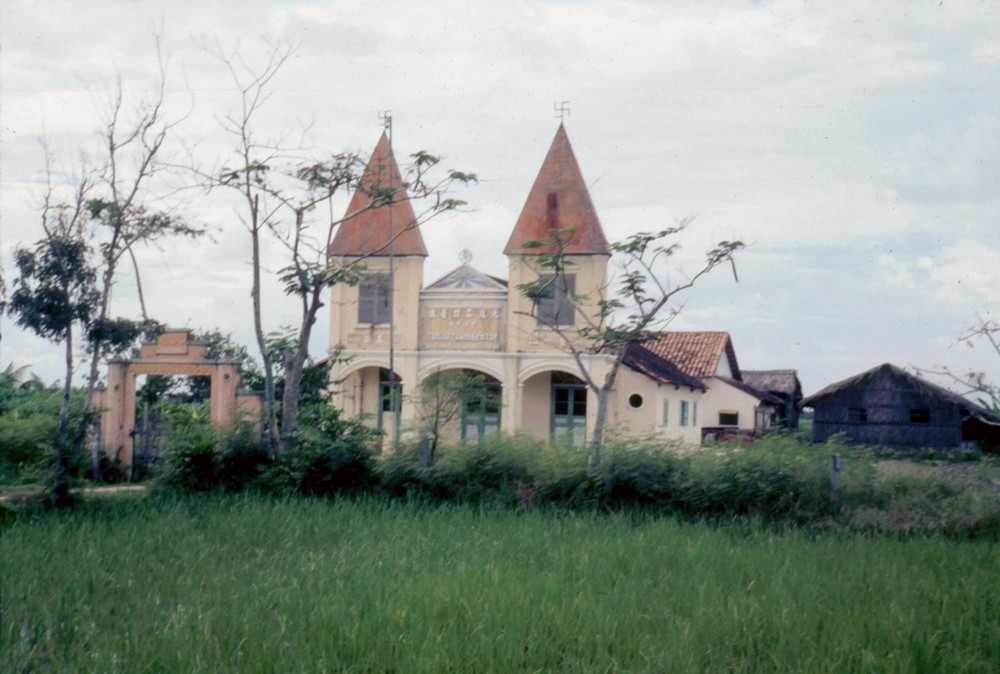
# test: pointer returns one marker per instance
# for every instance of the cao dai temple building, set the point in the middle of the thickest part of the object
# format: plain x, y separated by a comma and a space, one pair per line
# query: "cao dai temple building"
685, 386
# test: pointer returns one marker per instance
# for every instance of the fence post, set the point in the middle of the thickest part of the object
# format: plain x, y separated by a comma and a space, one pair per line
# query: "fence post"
835, 483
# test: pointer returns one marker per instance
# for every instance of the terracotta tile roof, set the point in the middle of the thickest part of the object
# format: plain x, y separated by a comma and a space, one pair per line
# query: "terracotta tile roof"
368, 233
658, 369
696, 353
559, 199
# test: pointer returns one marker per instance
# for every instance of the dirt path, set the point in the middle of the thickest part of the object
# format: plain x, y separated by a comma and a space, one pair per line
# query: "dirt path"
34, 497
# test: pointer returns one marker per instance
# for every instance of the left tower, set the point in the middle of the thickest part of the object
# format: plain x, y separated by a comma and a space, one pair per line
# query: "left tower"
380, 234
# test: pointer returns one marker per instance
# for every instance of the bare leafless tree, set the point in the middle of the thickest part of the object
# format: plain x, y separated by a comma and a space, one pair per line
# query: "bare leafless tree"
973, 382
289, 198
121, 211
105, 215
440, 400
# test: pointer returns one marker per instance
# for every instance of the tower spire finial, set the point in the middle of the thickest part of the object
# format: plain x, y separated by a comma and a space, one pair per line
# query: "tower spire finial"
562, 110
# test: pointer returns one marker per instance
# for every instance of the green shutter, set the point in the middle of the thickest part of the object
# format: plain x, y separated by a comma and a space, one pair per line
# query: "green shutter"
666, 411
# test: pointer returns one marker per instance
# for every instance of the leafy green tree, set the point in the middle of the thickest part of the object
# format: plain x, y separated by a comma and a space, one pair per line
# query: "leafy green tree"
55, 296
643, 305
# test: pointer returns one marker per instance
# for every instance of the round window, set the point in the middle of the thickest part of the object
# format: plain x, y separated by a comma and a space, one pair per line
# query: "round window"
635, 401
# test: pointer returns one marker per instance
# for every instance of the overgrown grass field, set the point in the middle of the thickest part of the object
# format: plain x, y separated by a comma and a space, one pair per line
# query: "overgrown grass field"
252, 584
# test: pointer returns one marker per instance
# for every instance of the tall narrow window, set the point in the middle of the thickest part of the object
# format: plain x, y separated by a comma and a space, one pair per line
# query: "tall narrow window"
666, 412
390, 393
481, 413
684, 413
568, 409
555, 299
375, 299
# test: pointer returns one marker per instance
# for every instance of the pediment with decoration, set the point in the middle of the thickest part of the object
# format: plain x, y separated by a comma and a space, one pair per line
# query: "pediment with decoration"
466, 279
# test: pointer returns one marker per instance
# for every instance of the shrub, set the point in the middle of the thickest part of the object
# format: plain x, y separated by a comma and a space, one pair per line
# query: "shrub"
573, 487
328, 455
930, 501
243, 460
403, 476
191, 460
493, 470
503, 468
646, 476
29, 432
775, 478
110, 471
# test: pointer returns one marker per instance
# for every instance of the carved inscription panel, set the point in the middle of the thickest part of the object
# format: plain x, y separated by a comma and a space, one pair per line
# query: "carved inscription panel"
460, 324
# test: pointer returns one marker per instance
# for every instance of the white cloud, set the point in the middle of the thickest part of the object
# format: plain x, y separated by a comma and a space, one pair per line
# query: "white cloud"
968, 271
854, 145
893, 272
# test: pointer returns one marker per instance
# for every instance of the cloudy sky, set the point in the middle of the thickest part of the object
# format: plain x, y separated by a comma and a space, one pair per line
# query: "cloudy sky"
854, 146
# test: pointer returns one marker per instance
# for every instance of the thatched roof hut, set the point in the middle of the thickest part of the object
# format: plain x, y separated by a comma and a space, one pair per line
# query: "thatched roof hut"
783, 384
889, 406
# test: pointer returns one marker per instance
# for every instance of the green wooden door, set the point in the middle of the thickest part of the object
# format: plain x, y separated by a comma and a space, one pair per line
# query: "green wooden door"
569, 414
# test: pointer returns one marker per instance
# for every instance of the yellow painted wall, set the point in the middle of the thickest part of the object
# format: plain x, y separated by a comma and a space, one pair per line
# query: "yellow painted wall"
408, 278
523, 332
648, 419
722, 396
536, 399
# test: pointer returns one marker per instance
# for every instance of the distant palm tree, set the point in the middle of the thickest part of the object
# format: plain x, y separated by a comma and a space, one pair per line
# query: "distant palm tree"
15, 377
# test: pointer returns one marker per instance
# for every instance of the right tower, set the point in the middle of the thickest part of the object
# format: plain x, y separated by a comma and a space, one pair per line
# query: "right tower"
558, 206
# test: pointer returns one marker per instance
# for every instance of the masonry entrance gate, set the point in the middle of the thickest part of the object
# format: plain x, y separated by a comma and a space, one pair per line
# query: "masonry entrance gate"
173, 353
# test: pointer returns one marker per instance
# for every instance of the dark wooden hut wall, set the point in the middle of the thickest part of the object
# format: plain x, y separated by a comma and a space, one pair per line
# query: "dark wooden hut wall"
894, 411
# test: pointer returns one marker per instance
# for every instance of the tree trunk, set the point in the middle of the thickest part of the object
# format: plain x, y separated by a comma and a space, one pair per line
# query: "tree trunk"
293, 373
95, 359
597, 445
59, 494
274, 440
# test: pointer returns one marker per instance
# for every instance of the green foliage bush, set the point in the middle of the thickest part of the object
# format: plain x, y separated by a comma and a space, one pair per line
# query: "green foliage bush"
29, 427
328, 455
501, 469
243, 460
775, 478
646, 476
765, 481
490, 471
192, 461
778, 478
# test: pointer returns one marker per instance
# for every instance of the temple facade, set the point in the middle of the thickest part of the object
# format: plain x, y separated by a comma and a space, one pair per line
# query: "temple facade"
683, 386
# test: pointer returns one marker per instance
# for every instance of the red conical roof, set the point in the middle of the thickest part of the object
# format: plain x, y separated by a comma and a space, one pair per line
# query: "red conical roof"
368, 232
559, 199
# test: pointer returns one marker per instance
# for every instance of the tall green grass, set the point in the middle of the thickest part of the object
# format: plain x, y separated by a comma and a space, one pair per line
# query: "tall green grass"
248, 584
